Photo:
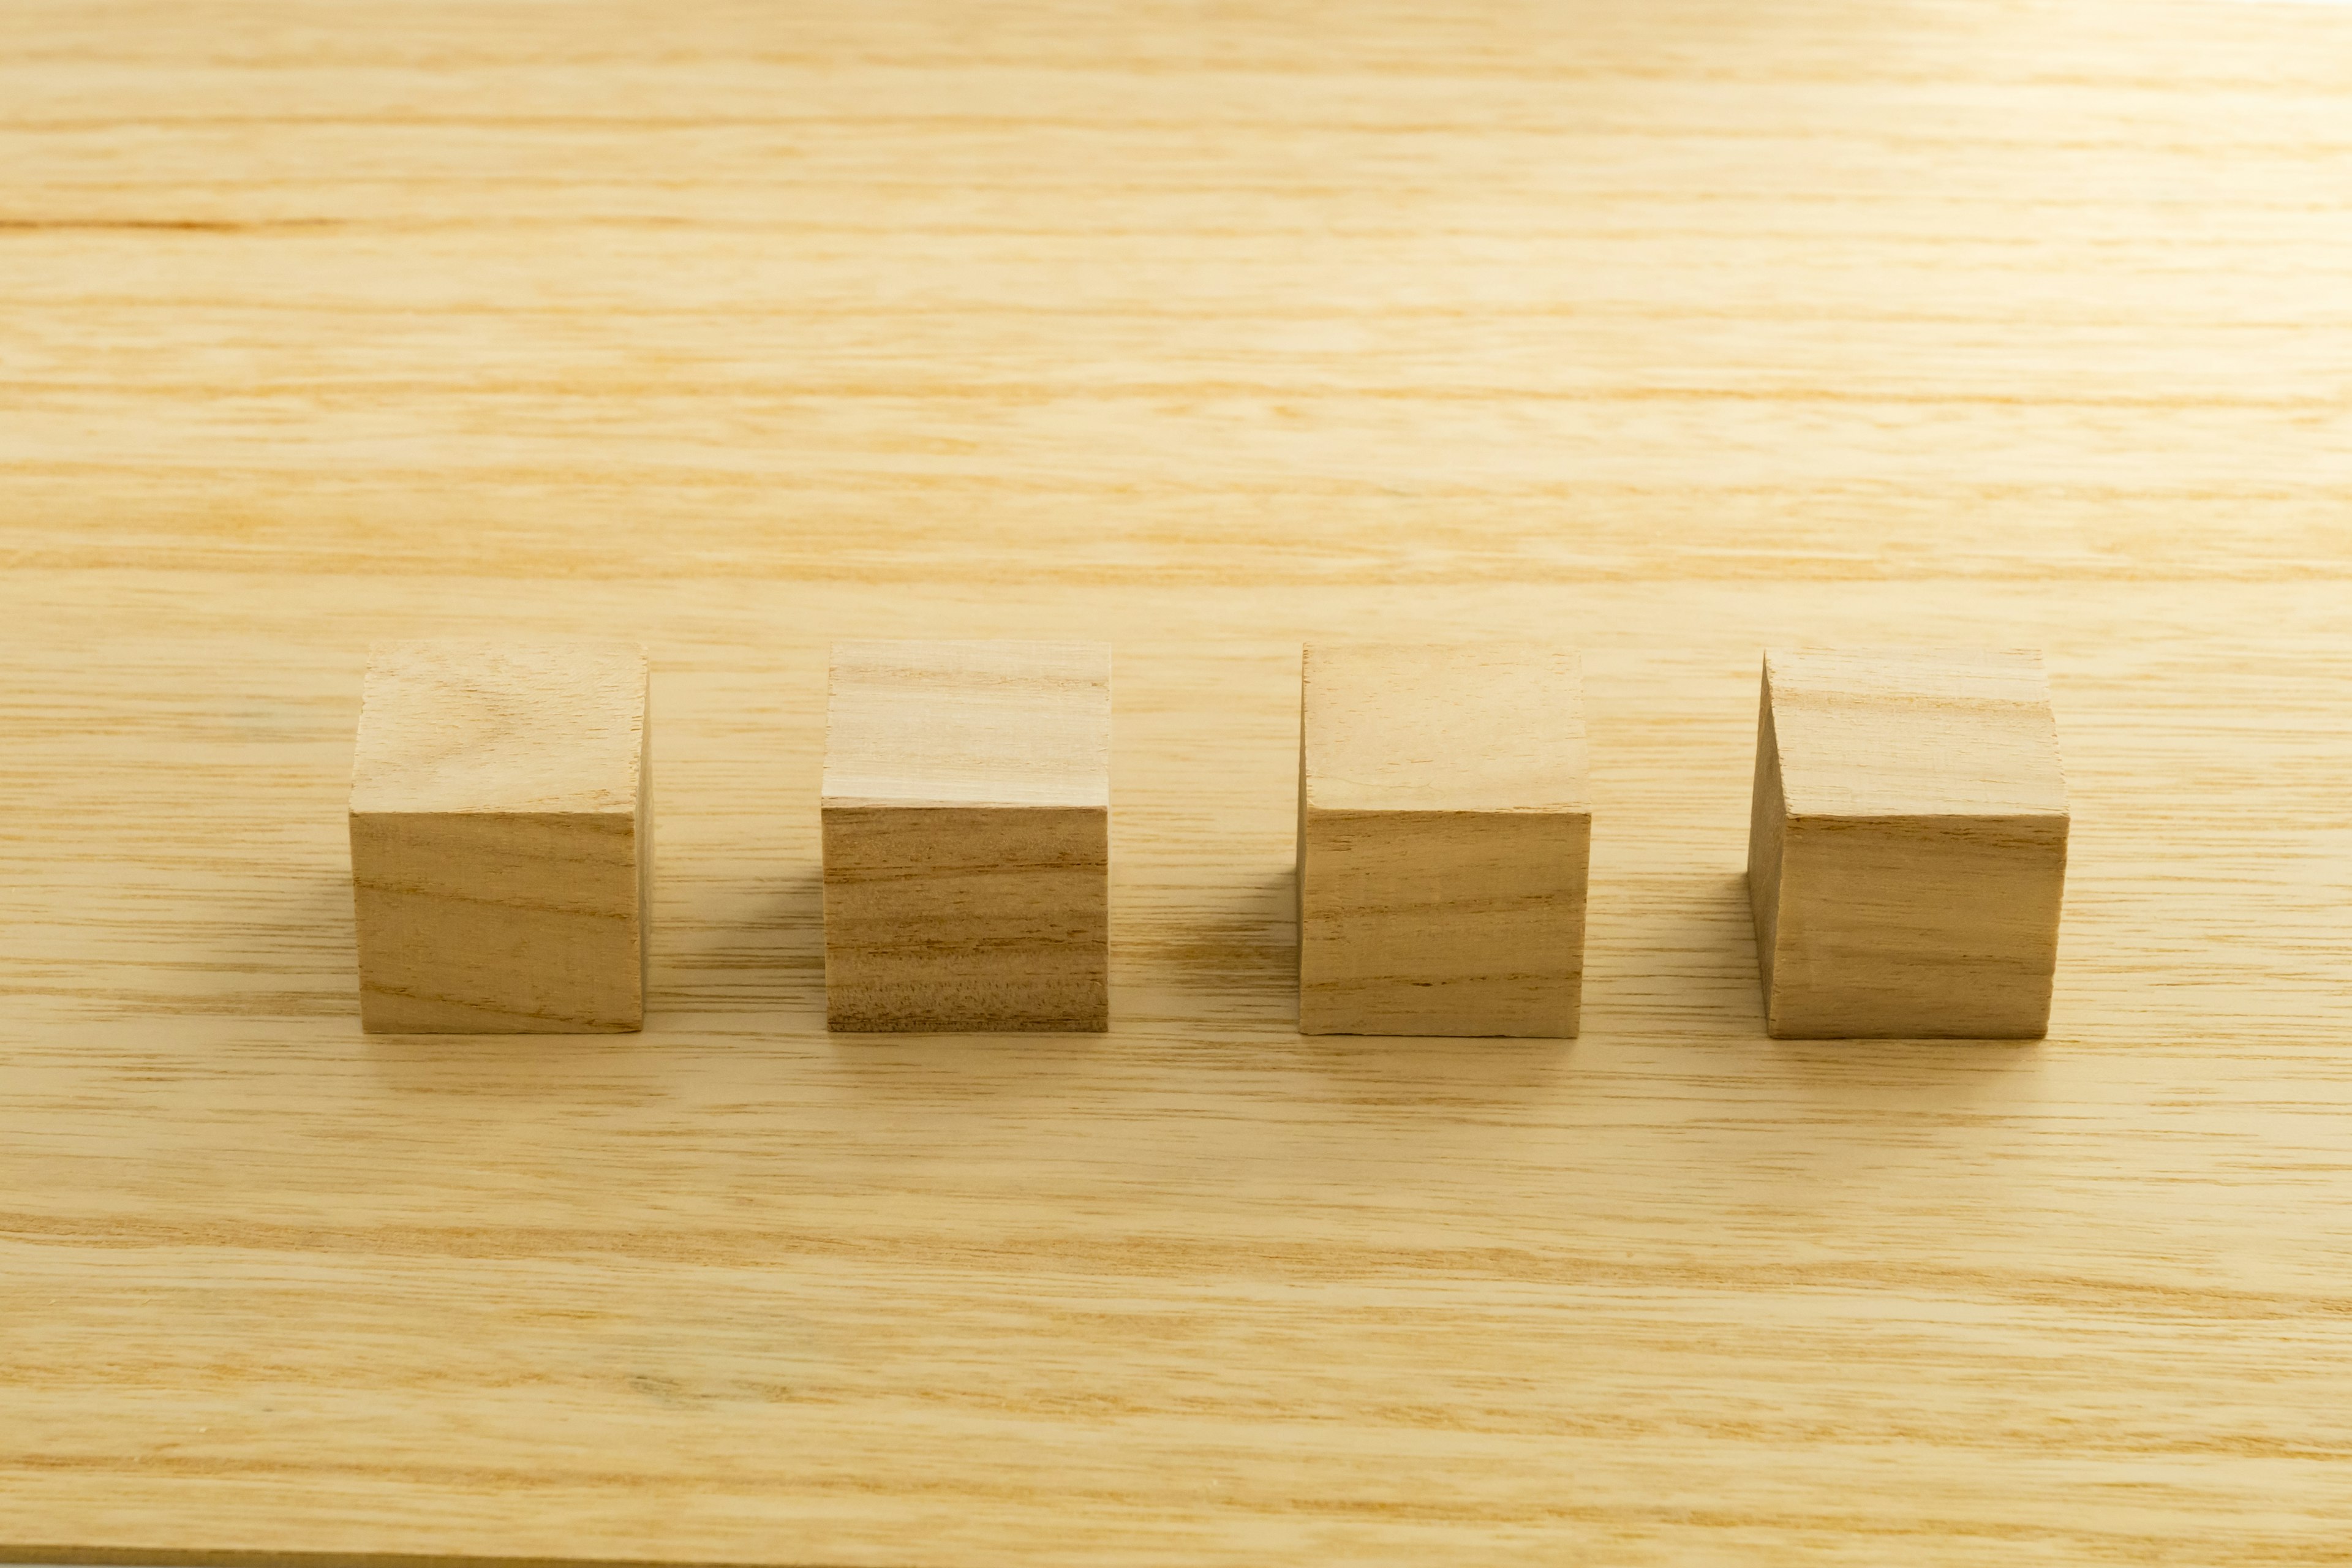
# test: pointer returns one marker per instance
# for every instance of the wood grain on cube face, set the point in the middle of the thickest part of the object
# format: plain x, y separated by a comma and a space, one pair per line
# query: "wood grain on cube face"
1445, 833
501, 853
1907, 845
969, 724
967, 837
1901, 732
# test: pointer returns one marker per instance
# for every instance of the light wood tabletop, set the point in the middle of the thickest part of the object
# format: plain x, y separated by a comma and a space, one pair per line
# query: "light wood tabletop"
1670, 331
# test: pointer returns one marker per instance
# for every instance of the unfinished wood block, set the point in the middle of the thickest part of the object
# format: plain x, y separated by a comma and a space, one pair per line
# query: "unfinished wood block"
501, 838
1444, 832
967, 837
1906, 854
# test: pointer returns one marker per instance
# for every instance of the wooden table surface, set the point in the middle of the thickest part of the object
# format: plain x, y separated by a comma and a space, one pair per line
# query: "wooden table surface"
1672, 330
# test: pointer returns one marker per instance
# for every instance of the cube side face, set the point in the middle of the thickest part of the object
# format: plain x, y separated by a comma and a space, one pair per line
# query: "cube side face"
967, 919
1939, 927
1767, 831
1463, 923
489, 924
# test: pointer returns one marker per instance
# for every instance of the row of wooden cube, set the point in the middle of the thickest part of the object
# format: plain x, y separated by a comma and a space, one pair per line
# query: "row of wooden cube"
1907, 855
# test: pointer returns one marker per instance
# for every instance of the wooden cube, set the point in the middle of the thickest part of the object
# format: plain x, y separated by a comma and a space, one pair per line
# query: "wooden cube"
967, 837
1907, 855
1445, 826
501, 838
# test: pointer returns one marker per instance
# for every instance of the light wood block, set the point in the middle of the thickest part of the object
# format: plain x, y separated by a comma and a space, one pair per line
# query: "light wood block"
967, 837
1445, 826
1906, 852
501, 838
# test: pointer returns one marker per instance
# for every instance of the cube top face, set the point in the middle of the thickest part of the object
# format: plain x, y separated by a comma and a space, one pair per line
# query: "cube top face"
1907, 732
472, 727
969, 724
1460, 729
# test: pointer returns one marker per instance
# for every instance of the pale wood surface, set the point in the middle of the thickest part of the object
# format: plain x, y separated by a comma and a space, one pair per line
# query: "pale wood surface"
1670, 331
1477, 727
1445, 833
979, 724
460, 727
1921, 730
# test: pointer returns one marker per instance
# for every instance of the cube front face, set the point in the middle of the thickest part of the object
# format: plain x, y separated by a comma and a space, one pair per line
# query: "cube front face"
967, 838
1907, 850
501, 854
1443, 923
982, 918
498, 924
1927, 927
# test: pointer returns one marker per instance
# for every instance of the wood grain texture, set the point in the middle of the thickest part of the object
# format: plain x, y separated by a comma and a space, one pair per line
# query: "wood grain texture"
1672, 331
1445, 833
967, 837
1907, 847
501, 838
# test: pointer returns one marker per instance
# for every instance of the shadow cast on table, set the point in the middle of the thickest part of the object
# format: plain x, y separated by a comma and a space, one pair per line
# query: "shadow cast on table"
754, 943
1376, 1071
744, 962
744, 966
